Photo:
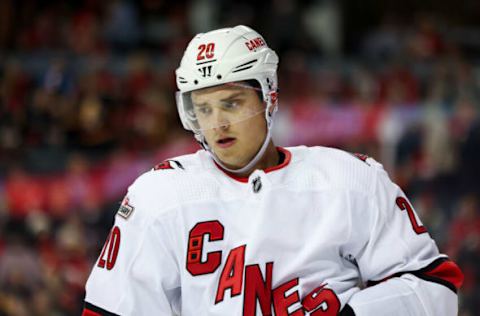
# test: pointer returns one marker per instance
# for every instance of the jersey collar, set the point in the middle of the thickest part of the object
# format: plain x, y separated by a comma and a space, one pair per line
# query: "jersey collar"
286, 161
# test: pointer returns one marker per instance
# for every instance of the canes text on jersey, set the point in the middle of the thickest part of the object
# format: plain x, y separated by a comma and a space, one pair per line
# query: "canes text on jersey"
321, 301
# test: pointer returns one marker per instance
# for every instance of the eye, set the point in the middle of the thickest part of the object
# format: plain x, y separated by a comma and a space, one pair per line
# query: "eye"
203, 110
230, 105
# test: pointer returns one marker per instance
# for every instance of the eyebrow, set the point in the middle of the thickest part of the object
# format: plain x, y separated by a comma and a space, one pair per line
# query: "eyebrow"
230, 97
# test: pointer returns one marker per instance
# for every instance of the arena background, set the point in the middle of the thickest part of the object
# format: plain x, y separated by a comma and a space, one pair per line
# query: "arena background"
87, 104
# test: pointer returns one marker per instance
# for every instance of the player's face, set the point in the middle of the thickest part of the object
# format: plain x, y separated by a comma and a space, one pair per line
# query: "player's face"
232, 120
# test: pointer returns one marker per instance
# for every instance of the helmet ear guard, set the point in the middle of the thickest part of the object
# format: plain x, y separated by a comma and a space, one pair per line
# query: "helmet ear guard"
273, 102
225, 56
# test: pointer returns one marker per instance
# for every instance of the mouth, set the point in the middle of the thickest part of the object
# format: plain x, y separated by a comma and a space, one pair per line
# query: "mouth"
226, 142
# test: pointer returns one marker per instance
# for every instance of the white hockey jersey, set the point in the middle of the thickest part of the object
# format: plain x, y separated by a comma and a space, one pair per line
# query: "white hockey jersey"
302, 238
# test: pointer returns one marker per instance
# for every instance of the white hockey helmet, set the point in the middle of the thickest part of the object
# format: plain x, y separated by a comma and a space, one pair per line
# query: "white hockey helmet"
224, 56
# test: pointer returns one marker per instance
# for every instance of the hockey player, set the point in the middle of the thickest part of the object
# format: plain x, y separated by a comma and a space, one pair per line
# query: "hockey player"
246, 228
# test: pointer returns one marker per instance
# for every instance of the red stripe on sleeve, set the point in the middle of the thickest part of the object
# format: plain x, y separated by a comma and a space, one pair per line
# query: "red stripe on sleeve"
87, 312
447, 271
442, 271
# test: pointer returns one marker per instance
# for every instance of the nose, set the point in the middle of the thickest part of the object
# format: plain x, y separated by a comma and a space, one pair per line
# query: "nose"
220, 120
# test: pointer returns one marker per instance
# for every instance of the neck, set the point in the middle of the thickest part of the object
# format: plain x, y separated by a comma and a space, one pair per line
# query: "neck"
270, 158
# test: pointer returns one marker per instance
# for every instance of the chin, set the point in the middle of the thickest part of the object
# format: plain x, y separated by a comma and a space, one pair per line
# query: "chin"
229, 163
225, 154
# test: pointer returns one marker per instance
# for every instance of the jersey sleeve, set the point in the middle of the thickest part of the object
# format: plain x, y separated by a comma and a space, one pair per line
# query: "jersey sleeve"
401, 258
397, 240
136, 272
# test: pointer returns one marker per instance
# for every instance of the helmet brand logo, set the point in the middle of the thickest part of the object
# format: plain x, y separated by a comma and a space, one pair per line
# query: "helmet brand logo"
206, 71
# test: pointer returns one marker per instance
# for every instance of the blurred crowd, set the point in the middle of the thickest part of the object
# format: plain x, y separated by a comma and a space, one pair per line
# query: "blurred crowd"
87, 104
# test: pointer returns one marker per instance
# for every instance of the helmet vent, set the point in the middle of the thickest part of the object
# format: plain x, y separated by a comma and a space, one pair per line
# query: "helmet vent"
245, 66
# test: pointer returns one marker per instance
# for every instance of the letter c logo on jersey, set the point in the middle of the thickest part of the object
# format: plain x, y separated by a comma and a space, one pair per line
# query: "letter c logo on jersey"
214, 229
